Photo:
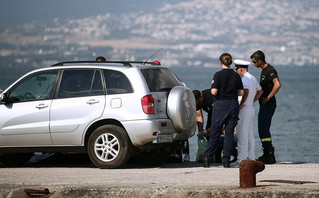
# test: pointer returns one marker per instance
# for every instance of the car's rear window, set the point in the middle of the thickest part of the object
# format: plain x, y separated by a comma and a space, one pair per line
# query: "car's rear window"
160, 79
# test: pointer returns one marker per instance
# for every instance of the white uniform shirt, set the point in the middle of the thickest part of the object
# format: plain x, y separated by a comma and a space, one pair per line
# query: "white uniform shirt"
251, 83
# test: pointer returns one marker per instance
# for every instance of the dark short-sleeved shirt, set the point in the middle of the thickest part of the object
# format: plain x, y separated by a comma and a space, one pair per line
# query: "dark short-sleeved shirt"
228, 82
209, 99
207, 106
266, 82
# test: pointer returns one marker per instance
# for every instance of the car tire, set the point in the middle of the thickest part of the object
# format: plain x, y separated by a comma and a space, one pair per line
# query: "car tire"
181, 108
109, 147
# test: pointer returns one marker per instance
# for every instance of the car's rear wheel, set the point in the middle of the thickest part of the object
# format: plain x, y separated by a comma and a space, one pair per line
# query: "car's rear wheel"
109, 147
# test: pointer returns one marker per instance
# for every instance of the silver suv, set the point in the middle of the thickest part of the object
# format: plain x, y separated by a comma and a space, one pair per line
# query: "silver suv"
113, 110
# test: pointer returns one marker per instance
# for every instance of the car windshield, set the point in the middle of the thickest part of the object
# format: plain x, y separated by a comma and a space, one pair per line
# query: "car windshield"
160, 79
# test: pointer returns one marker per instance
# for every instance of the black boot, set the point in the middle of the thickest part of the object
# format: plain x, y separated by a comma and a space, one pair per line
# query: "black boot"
268, 157
226, 164
206, 161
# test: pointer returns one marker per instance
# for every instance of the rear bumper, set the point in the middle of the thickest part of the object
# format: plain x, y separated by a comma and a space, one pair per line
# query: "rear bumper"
142, 132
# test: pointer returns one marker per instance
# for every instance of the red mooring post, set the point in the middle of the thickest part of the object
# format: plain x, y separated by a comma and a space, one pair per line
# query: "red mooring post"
247, 172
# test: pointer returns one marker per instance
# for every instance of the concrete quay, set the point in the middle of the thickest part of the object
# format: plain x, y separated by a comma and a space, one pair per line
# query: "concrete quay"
188, 179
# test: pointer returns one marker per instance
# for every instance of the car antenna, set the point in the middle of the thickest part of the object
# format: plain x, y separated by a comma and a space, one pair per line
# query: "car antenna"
152, 56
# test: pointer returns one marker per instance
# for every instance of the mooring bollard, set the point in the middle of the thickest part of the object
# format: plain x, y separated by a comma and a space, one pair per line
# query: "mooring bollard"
247, 172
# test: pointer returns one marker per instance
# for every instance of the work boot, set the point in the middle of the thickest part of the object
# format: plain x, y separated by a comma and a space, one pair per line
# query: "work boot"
226, 164
268, 157
206, 161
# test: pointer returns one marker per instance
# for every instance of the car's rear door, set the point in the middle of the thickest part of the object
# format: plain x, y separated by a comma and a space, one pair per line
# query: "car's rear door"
80, 100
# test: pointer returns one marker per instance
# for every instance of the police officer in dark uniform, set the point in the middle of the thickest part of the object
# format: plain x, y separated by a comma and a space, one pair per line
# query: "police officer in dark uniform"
226, 86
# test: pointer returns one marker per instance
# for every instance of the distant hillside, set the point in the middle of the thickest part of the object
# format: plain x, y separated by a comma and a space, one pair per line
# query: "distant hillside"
22, 11
192, 33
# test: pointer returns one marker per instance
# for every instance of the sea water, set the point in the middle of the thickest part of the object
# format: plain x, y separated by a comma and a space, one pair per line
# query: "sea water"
294, 128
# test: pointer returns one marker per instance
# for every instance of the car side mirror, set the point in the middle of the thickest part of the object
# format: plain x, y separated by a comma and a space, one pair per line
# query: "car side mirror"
3, 97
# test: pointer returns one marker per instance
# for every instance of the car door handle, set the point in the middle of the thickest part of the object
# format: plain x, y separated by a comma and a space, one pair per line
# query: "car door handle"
41, 106
92, 101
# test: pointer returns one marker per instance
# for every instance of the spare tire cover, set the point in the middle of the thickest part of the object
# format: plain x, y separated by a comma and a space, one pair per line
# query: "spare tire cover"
181, 108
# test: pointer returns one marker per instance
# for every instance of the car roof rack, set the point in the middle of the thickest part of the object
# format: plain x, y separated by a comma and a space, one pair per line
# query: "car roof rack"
125, 63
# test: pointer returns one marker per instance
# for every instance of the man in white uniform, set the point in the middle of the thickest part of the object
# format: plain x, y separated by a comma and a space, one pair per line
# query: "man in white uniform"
244, 128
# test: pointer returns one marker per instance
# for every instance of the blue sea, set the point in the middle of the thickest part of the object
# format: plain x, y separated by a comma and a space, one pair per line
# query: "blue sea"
294, 126
294, 129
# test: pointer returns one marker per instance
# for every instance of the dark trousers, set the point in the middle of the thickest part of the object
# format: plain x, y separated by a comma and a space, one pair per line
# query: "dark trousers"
265, 115
225, 112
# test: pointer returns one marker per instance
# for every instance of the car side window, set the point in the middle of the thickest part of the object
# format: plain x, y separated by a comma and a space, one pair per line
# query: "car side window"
37, 86
78, 83
117, 83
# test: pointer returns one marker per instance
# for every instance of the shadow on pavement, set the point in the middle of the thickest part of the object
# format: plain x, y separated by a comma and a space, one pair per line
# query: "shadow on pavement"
76, 160
62, 160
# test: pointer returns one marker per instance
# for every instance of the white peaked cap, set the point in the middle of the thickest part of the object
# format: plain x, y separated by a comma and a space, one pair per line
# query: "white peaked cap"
241, 62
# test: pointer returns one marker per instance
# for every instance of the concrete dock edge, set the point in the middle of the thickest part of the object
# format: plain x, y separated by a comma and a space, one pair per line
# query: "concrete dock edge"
168, 180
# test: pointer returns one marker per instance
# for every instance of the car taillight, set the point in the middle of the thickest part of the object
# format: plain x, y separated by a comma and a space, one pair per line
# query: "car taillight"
148, 104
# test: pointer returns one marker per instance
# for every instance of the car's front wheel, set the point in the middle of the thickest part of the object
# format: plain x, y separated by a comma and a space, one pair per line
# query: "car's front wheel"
109, 147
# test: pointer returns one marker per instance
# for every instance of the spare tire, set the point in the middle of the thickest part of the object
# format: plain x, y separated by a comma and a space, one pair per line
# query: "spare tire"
181, 108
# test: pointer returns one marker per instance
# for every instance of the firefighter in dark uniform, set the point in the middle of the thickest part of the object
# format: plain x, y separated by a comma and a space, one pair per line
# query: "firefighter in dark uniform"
270, 83
226, 87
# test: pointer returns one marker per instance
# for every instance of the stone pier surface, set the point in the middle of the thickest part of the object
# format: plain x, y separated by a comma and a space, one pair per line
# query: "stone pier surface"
188, 179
